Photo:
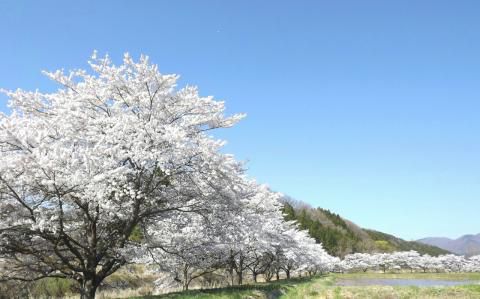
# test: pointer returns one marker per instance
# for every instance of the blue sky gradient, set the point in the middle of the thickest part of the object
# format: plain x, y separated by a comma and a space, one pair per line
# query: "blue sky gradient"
367, 108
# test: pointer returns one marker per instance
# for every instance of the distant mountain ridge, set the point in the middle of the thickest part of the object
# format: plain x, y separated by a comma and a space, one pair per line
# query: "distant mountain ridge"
465, 245
340, 236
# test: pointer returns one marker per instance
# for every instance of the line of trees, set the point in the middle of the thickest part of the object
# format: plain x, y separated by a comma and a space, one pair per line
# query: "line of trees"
408, 260
118, 166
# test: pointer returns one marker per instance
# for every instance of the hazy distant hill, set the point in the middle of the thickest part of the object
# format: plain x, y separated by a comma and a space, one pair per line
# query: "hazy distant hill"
465, 245
340, 236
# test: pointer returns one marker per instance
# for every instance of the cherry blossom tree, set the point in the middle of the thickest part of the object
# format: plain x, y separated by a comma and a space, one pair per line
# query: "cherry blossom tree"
452, 262
473, 264
112, 150
255, 231
189, 246
191, 250
358, 261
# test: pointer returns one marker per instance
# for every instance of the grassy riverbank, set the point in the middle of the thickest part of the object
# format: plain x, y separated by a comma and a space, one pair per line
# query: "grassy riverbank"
324, 287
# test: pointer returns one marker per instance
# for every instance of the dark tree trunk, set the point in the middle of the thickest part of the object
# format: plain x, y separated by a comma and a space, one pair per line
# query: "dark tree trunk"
88, 289
254, 276
277, 273
185, 277
240, 277
231, 267
240, 270
288, 273
230, 271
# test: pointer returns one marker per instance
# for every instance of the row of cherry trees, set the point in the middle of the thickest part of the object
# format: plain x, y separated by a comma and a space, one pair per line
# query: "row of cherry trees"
120, 151
291, 252
409, 260
252, 238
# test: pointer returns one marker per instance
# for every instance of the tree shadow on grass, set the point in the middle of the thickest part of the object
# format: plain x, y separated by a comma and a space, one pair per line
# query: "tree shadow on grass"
270, 290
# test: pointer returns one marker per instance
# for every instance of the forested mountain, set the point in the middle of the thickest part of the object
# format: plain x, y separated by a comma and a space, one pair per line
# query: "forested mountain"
340, 236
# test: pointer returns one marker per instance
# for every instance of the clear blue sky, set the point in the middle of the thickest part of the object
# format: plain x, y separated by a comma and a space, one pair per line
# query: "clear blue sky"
367, 108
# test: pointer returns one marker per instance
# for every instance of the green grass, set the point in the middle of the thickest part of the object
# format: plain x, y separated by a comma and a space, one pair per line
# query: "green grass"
324, 287
414, 275
380, 292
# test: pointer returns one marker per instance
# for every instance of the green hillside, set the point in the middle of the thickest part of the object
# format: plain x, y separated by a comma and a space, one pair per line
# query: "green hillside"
402, 245
340, 236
